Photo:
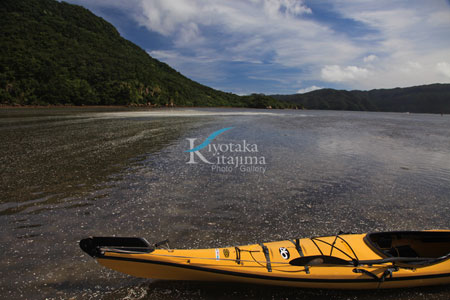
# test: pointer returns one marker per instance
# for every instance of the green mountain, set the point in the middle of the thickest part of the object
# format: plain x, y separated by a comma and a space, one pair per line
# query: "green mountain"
434, 98
58, 53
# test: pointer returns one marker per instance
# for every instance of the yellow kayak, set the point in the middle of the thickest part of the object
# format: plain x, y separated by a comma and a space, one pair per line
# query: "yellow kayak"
345, 261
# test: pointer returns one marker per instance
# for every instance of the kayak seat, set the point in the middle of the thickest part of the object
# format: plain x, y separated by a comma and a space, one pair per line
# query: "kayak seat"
384, 242
402, 251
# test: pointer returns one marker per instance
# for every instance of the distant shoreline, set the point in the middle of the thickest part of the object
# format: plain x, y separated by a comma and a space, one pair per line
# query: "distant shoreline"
136, 107
75, 106
148, 108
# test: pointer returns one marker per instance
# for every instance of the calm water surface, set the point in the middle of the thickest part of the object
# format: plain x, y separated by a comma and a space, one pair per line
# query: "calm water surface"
71, 173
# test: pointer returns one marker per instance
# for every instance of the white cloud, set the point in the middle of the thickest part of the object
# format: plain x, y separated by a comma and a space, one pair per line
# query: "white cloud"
288, 7
370, 58
443, 68
414, 65
255, 30
336, 73
409, 39
166, 17
309, 89
189, 34
410, 66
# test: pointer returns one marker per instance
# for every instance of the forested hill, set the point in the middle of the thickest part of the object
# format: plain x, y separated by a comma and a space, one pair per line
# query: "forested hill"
434, 98
58, 53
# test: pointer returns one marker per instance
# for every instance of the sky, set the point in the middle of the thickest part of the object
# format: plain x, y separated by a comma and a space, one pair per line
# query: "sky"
290, 46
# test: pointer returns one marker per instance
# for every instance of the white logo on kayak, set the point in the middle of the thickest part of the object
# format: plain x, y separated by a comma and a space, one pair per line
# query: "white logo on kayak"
284, 253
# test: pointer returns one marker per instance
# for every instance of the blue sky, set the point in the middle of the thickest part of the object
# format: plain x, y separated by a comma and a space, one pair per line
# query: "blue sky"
290, 46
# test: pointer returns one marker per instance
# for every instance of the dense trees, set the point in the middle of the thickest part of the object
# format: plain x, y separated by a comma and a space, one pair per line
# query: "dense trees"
59, 53
434, 98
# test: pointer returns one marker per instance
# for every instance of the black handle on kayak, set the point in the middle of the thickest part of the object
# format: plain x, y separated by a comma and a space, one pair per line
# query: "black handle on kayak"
332, 260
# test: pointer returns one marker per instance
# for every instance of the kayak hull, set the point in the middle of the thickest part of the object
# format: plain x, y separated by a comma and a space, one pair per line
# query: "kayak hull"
268, 264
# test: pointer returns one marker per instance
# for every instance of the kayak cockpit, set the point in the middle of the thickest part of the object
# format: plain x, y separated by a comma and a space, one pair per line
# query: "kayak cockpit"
414, 244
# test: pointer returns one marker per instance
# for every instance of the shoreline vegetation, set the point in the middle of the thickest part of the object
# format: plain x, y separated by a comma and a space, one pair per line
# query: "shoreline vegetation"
434, 99
155, 108
122, 106
56, 54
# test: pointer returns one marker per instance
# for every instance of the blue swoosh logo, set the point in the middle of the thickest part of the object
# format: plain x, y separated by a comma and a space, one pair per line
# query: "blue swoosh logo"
209, 139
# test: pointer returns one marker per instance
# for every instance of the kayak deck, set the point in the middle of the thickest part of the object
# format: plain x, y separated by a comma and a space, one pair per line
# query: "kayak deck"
271, 263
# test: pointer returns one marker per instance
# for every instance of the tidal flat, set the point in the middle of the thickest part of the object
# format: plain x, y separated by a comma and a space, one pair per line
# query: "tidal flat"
70, 173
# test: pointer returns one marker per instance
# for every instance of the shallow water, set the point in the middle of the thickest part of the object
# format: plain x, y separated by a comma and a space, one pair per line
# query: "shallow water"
71, 173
